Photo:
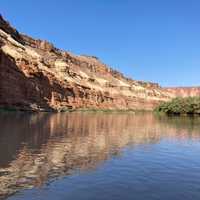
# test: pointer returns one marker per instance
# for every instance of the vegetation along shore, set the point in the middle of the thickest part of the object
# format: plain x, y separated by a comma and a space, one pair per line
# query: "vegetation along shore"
180, 106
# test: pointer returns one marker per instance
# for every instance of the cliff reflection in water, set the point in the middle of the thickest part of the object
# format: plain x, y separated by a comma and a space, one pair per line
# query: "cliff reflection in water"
37, 147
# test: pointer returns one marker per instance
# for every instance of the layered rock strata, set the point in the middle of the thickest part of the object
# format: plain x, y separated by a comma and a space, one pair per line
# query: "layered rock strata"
34, 75
183, 91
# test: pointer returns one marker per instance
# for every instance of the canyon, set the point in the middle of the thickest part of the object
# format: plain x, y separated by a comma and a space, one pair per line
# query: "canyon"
36, 76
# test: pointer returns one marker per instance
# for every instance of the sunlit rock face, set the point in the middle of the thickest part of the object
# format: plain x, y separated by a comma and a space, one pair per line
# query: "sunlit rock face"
183, 91
34, 75
45, 146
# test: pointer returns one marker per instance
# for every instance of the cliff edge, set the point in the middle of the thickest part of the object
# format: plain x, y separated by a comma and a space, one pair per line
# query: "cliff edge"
34, 75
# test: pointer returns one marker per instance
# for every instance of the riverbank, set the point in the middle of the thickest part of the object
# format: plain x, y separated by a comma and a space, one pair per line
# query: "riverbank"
77, 110
180, 106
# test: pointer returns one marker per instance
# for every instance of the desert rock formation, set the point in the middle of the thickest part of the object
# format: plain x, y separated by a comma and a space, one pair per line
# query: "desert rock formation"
34, 75
183, 91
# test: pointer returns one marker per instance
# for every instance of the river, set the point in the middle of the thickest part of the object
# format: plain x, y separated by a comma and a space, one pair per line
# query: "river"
99, 156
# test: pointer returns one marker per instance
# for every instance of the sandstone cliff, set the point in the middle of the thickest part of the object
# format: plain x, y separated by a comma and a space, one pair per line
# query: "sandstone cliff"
34, 75
183, 91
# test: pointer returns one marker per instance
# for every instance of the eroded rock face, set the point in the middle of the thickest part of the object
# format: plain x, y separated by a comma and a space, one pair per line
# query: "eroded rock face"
183, 91
34, 75
5, 26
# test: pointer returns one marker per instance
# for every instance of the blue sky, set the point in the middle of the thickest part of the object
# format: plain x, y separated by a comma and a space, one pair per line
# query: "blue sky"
152, 40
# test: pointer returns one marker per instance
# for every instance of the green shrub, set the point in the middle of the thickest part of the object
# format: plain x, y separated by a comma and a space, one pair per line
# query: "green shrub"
188, 105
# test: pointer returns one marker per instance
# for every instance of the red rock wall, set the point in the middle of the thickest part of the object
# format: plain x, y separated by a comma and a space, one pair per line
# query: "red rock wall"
34, 75
183, 91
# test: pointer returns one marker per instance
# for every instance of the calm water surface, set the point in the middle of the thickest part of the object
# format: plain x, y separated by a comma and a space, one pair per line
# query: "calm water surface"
99, 156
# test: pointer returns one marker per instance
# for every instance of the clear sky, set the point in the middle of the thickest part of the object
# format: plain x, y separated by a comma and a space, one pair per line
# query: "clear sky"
153, 40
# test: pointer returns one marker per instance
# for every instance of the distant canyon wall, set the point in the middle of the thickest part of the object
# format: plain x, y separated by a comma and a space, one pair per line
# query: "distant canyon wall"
183, 91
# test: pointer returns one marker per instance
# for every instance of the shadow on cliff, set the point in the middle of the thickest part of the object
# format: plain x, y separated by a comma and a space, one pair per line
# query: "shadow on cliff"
20, 92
